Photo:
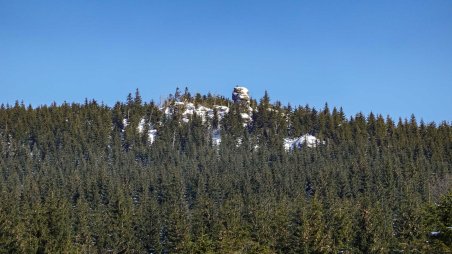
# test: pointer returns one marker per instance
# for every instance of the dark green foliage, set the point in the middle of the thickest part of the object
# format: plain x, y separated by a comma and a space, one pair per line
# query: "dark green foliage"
81, 178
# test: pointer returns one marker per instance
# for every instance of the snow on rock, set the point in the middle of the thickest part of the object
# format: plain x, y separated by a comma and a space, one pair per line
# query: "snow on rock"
167, 111
221, 110
305, 140
203, 112
216, 137
141, 124
435, 233
152, 134
189, 109
245, 116
438, 233
240, 94
125, 122
239, 142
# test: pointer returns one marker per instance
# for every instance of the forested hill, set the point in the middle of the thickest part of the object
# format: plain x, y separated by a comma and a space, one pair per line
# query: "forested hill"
208, 174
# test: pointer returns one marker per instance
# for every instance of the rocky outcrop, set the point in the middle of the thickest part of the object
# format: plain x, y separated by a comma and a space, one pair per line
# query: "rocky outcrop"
187, 110
305, 140
240, 95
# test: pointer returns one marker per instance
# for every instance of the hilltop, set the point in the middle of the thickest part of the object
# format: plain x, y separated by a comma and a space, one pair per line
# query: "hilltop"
221, 174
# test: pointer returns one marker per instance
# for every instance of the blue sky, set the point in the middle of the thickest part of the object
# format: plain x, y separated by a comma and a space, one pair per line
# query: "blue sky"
389, 57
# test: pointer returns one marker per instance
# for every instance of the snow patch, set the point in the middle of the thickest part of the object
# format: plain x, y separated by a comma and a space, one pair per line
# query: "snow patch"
152, 133
435, 233
245, 116
168, 111
239, 142
216, 137
221, 111
140, 127
125, 122
189, 109
305, 140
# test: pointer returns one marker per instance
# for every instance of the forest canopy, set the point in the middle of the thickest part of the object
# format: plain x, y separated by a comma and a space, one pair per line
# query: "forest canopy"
207, 174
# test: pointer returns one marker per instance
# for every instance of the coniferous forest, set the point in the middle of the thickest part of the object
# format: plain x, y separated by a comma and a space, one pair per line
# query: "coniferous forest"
90, 178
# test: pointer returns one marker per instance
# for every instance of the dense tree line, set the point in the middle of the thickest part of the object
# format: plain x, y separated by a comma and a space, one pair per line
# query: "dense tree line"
78, 178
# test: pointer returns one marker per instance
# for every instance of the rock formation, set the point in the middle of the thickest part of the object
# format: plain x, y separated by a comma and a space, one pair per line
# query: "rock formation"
240, 95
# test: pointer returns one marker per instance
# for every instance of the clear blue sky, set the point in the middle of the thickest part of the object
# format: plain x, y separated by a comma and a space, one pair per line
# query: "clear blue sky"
390, 57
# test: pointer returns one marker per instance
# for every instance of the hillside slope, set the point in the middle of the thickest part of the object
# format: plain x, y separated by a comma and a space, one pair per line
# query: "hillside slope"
209, 174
